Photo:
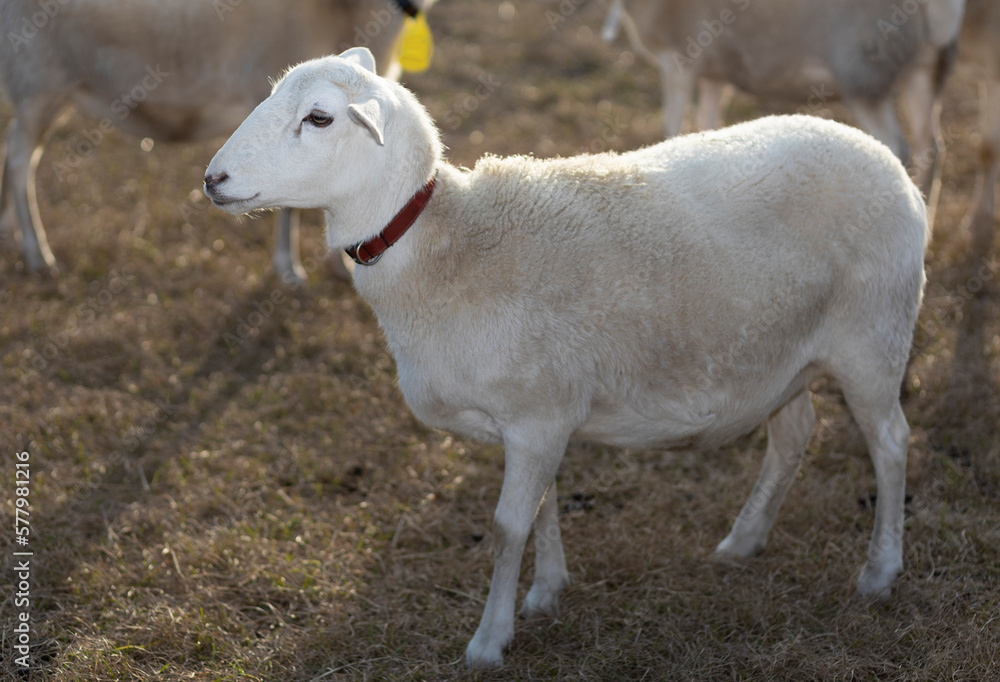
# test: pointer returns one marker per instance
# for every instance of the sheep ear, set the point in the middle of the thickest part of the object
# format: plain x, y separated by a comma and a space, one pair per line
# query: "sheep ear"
369, 114
361, 56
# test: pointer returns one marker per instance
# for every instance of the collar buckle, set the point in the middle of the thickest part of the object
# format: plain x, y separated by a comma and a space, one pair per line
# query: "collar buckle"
354, 253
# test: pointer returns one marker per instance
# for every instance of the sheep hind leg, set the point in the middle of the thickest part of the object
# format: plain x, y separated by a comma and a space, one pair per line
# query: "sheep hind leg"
919, 102
532, 456
869, 369
788, 432
979, 223
551, 575
875, 407
25, 144
879, 120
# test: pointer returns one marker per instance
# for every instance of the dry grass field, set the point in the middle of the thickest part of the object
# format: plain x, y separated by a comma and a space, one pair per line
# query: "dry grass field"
227, 485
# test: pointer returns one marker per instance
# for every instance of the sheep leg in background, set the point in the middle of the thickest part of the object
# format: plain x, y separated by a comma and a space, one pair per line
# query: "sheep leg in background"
8, 214
286, 260
788, 431
712, 99
879, 120
551, 575
612, 22
33, 119
531, 457
980, 220
677, 83
340, 267
918, 99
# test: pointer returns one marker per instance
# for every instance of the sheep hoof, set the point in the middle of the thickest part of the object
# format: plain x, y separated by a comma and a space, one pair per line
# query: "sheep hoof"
41, 263
292, 277
485, 651
739, 547
45, 270
540, 601
876, 580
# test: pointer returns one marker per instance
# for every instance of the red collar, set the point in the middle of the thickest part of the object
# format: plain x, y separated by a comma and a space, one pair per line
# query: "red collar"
370, 251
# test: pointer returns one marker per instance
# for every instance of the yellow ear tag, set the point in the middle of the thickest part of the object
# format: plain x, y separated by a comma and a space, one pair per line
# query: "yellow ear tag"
415, 45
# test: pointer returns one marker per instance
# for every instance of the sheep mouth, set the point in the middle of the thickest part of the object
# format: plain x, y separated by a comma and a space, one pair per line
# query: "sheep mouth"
229, 203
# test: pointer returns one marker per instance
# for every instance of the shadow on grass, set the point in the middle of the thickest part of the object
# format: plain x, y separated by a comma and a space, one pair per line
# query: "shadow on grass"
238, 349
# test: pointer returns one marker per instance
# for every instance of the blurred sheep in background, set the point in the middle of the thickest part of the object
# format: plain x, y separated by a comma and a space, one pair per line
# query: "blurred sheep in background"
862, 52
178, 71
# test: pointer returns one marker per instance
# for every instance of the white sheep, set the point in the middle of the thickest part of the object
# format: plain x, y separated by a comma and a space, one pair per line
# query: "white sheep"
675, 296
809, 53
981, 37
185, 70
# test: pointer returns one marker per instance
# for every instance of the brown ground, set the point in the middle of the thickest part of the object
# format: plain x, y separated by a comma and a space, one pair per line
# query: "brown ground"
270, 510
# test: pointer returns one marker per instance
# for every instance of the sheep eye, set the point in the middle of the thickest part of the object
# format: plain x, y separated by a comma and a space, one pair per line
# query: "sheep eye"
319, 119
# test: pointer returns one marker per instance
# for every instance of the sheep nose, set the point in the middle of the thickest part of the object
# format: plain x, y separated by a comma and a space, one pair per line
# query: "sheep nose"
212, 180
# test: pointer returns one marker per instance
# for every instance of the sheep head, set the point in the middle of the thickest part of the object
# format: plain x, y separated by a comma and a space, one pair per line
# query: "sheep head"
316, 140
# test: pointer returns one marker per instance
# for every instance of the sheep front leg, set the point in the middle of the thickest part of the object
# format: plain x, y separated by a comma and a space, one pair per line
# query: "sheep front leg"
788, 432
287, 260
531, 459
551, 575
8, 215
712, 98
287, 264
